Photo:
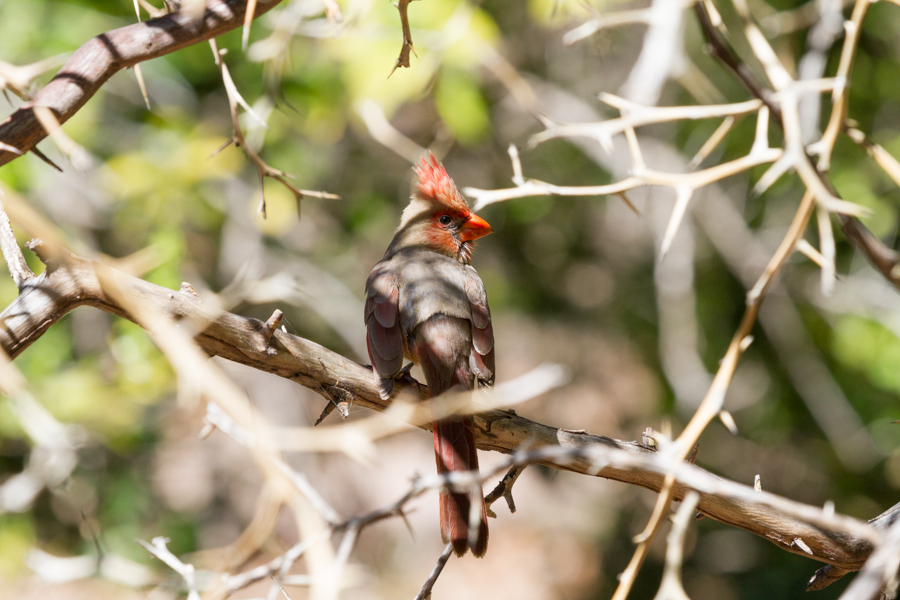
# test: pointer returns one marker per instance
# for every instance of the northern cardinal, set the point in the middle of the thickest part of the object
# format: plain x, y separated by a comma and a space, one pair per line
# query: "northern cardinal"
425, 302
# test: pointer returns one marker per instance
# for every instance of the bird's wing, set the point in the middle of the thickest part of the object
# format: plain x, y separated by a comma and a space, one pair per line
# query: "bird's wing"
383, 338
482, 357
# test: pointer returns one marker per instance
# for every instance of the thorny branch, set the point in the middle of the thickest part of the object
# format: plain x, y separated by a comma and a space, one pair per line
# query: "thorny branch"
683, 184
407, 48
100, 58
53, 457
158, 548
600, 456
688, 476
72, 282
671, 587
18, 268
879, 255
504, 490
784, 104
97, 60
263, 170
882, 258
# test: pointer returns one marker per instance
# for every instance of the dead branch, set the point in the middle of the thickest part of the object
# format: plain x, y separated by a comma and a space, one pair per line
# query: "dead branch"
407, 48
882, 258
504, 490
101, 57
160, 550
263, 170
72, 281
879, 577
425, 592
692, 478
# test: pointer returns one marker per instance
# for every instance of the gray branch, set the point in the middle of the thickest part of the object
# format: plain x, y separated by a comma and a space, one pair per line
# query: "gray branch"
70, 281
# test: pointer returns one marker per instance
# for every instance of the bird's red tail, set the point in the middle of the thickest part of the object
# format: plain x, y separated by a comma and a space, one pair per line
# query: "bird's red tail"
454, 450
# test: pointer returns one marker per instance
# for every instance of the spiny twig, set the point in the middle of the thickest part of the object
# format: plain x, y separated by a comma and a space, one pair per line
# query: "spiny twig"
89, 67
407, 47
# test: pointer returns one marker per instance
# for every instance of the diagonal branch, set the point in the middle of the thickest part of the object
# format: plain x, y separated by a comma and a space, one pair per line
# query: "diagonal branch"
71, 281
425, 592
101, 57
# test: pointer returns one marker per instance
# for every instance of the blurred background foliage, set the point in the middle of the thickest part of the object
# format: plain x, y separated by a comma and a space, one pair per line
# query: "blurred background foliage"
573, 281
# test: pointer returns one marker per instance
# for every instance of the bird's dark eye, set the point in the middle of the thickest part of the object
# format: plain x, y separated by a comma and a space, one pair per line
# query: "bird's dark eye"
445, 220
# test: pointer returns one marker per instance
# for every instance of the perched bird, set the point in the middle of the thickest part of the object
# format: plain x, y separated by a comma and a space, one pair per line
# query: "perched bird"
425, 302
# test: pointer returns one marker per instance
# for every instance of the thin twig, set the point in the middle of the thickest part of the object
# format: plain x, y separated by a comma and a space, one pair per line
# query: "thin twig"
402, 7
504, 490
263, 170
425, 592
12, 253
840, 98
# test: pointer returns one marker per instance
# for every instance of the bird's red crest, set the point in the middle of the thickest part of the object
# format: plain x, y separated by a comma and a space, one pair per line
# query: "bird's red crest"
435, 184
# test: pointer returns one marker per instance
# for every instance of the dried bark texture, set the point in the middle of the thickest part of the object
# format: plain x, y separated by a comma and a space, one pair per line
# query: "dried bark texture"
72, 282
100, 58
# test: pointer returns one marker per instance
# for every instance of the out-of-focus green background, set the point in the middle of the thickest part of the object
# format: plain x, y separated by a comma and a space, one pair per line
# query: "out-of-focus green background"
570, 280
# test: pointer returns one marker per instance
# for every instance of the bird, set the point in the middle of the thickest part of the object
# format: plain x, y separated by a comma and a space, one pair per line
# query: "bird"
425, 302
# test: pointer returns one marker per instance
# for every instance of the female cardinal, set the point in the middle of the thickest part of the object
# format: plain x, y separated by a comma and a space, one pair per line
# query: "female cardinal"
424, 302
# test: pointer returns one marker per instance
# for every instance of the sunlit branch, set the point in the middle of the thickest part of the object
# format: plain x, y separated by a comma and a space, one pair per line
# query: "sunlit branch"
98, 59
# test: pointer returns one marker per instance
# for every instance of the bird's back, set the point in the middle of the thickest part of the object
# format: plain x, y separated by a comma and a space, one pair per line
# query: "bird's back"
430, 284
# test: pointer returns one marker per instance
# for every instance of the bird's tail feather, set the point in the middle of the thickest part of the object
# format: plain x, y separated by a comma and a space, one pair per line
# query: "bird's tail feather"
454, 450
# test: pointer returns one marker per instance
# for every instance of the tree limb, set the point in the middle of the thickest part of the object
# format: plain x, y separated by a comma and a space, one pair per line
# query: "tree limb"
71, 281
101, 57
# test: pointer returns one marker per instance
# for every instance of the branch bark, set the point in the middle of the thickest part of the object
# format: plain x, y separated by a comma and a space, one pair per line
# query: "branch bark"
71, 281
101, 57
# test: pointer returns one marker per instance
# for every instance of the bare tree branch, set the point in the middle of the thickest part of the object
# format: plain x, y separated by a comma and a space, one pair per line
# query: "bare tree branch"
263, 170
71, 281
879, 577
504, 490
407, 48
160, 550
882, 258
425, 592
101, 57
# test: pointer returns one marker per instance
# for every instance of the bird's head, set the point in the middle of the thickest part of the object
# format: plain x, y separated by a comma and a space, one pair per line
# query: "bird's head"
438, 216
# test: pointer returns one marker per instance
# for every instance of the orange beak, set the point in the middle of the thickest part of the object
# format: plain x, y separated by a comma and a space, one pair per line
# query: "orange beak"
475, 227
